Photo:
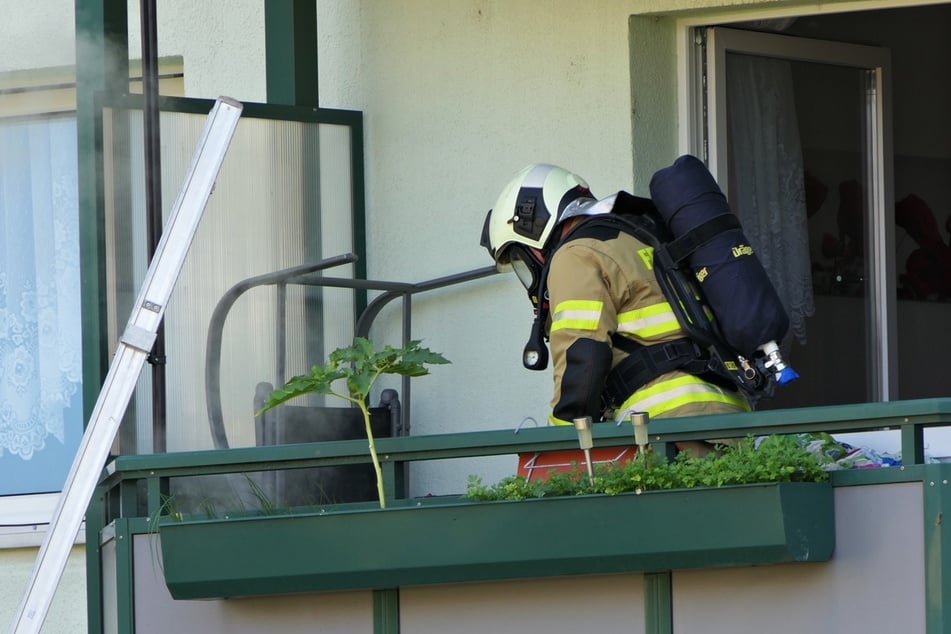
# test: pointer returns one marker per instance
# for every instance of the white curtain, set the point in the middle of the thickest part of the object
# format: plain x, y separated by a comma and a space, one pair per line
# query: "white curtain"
766, 177
40, 326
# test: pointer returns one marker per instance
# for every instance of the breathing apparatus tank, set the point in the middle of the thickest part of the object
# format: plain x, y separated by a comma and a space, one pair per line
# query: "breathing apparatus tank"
709, 238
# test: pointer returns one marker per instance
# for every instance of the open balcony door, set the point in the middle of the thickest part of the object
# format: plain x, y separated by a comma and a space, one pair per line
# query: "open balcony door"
790, 126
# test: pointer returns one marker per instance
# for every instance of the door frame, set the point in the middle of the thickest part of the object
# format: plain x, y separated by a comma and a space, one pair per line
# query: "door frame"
706, 122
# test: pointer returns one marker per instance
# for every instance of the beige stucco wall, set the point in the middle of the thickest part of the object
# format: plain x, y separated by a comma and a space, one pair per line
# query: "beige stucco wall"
42, 35
67, 613
222, 45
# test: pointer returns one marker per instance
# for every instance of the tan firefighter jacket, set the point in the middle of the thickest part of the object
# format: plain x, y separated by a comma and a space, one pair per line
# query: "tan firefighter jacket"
600, 283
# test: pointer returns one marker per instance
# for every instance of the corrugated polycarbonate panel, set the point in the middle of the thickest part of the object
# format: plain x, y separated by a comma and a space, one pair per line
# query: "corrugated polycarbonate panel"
283, 199
336, 228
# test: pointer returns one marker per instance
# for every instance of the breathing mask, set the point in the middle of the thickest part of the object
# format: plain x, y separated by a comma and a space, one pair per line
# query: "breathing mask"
532, 272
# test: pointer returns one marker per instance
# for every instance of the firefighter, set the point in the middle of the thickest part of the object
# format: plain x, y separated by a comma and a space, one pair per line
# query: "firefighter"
612, 332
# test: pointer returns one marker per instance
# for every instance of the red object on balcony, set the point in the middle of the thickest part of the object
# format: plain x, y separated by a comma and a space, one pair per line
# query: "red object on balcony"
536, 466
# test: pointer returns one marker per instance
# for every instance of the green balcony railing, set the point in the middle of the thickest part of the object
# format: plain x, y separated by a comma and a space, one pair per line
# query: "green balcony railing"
212, 555
137, 485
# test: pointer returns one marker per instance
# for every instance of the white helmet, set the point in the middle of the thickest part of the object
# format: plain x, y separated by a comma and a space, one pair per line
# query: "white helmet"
530, 207
521, 224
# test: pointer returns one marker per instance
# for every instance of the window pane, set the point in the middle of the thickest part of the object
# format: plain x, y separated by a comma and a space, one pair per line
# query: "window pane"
41, 414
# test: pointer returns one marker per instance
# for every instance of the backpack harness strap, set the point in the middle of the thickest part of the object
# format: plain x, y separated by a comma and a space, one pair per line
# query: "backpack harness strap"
645, 363
681, 248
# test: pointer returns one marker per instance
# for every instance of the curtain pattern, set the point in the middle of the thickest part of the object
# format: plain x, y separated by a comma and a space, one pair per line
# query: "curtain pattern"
40, 327
766, 178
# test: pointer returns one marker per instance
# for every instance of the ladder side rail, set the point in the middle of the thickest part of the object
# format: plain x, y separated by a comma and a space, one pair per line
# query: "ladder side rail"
134, 346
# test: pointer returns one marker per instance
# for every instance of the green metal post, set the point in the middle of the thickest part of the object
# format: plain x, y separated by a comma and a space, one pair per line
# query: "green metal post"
125, 586
386, 611
392, 479
95, 522
290, 41
937, 500
102, 66
358, 192
658, 603
912, 444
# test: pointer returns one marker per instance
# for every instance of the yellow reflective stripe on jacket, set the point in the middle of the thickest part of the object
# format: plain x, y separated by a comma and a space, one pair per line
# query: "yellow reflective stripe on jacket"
668, 395
577, 314
650, 321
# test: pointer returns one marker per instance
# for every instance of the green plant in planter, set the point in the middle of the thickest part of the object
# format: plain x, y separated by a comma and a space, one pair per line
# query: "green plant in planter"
359, 365
780, 458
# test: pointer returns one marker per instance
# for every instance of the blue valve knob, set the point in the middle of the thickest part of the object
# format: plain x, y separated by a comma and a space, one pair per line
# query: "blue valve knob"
786, 375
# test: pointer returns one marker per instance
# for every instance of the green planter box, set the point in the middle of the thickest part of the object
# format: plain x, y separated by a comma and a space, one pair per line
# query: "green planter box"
467, 541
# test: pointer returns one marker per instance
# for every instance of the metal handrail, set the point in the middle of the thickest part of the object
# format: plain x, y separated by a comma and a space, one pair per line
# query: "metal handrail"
216, 326
309, 275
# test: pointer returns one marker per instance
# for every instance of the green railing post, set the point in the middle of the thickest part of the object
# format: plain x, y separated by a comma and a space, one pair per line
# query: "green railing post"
658, 603
937, 528
912, 444
95, 522
124, 587
392, 479
386, 611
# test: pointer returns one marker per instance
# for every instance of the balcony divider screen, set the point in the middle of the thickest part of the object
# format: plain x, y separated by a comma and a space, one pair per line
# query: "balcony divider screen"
289, 194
